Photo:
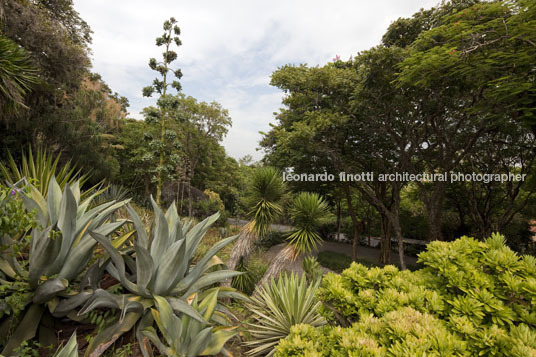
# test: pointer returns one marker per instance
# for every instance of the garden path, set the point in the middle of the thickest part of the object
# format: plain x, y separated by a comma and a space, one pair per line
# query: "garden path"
366, 253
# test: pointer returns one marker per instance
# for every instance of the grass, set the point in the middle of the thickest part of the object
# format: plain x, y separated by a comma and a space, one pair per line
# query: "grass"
338, 261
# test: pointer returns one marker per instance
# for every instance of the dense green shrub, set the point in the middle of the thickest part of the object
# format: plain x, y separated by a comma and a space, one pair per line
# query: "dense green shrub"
471, 298
14, 219
272, 238
253, 270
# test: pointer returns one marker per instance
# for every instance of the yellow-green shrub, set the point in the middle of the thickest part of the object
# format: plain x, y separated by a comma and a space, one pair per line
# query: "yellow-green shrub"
471, 298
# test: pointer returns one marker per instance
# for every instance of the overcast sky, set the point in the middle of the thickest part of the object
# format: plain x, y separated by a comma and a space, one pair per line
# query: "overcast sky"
230, 48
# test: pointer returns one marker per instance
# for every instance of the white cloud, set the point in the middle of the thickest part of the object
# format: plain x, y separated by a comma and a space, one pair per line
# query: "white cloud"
230, 48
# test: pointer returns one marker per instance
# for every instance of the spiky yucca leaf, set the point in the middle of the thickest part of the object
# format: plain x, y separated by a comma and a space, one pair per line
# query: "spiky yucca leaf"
308, 213
278, 306
263, 199
39, 169
17, 75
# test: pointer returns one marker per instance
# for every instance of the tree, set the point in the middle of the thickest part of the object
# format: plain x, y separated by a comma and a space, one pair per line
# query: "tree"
263, 199
59, 114
470, 74
165, 102
202, 126
492, 204
308, 213
329, 125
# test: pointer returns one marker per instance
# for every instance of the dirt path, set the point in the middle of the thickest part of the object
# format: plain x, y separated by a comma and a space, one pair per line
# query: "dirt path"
366, 253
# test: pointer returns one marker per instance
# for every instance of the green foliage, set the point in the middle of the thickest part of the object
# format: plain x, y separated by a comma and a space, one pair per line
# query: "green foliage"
185, 336
277, 307
313, 270
14, 219
39, 169
59, 112
471, 298
17, 75
272, 238
28, 349
308, 213
253, 272
263, 197
162, 269
60, 249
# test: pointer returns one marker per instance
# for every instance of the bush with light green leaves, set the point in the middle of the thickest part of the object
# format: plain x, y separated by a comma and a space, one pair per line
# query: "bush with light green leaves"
471, 298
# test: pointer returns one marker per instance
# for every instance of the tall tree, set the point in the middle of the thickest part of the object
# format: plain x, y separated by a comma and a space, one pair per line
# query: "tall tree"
165, 102
201, 127
57, 42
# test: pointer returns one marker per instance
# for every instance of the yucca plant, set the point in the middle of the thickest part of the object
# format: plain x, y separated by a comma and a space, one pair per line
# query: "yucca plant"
60, 249
162, 268
263, 198
309, 211
39, 169
187, 337
17, 75
278, 306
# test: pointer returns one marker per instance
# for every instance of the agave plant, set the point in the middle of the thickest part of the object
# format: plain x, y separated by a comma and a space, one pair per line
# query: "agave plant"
263, 198
70, 349
187, 337
162, 268
60, 249
278, 306
308, 213
39, 170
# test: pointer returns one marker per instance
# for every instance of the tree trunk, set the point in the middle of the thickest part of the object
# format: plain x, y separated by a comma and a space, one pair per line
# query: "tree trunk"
433, 201
385, 256
282, 260
189, 199
338, 217
355, 222
400, 240
147, 190
434, 222
242, 248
